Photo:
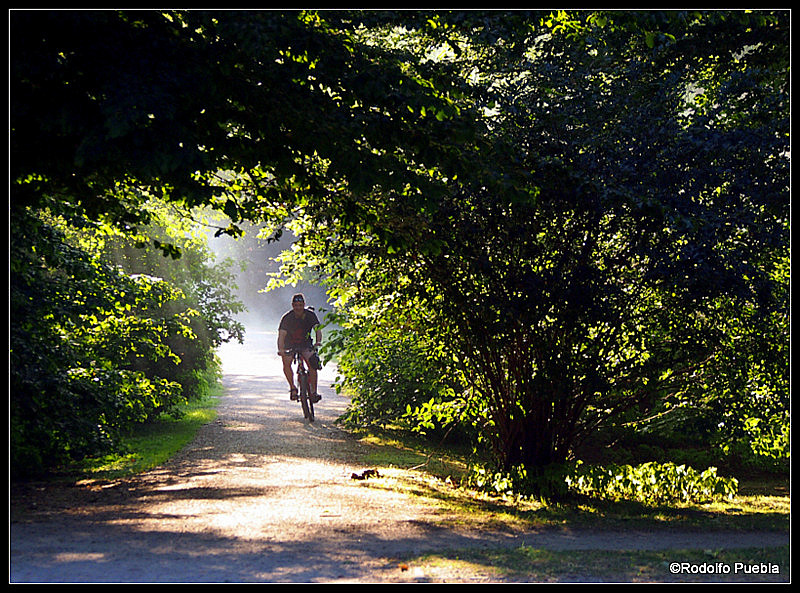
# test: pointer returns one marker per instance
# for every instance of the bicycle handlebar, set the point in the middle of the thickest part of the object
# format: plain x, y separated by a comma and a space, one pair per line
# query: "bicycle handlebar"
290, 351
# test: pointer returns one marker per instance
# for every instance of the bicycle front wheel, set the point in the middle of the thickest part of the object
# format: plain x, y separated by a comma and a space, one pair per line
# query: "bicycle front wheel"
305, 400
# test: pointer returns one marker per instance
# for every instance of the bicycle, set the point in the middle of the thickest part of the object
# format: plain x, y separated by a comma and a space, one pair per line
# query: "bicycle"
306, 401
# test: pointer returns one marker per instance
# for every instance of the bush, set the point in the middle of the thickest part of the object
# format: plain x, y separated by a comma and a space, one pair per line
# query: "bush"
649, 483
95, 348
390, 375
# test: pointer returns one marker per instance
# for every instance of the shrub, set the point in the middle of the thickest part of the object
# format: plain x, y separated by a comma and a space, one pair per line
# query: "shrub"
392, 376
94, 347
649, 483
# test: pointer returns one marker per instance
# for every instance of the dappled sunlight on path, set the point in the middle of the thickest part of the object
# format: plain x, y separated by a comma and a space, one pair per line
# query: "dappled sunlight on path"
257, 491
261, 495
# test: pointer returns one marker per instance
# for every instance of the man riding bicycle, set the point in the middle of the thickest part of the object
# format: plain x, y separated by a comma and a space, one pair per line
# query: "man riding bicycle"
294, 333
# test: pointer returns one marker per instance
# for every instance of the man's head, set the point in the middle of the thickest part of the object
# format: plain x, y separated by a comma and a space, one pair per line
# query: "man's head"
298, 303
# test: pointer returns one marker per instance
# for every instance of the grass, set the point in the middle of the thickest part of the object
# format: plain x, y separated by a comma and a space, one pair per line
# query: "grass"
527, 564
417, 468
411, 466
149, 445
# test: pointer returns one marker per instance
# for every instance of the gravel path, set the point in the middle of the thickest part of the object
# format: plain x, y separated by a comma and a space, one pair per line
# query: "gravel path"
262, 496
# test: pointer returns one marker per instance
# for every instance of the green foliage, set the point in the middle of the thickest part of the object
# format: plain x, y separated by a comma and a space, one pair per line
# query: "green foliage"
584, 204
752, 407
650, 483
629, 201
206, 301
770, 439
394, 375
255, 113
145, 446
95, 347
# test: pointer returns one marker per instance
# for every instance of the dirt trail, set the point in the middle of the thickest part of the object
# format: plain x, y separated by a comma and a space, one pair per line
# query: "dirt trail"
262, 496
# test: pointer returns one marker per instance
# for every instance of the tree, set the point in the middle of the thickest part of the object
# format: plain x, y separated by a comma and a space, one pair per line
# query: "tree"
655, 205
633, 191
256, 113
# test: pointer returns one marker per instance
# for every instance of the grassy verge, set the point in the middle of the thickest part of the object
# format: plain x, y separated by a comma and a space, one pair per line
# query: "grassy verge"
411, 466
527, 564
151, 444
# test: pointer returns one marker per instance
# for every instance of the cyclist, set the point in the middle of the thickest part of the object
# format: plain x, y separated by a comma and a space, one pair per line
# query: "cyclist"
294, 333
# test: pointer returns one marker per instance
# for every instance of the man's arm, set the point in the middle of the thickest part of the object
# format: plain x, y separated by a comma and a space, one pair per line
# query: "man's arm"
281, 340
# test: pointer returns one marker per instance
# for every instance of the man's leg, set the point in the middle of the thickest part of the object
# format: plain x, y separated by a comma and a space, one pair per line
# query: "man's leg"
312, 380
312, 373
287, 371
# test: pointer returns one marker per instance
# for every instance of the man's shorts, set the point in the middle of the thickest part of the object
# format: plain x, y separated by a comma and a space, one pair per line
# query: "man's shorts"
311, 357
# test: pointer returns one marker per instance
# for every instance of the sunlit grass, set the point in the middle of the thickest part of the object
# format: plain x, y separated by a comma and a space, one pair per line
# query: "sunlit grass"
412, 467
149, 445
528, 564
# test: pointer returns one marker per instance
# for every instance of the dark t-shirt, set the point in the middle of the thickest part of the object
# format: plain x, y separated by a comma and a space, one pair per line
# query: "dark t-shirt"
298, 331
